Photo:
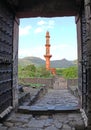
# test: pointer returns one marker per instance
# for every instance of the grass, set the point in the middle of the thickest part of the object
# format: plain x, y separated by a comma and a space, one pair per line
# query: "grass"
32, 85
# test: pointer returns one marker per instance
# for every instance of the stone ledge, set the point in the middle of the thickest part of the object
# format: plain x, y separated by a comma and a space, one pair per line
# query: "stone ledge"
35, 110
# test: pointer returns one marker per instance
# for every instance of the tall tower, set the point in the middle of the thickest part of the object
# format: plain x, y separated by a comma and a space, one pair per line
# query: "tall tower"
47, 55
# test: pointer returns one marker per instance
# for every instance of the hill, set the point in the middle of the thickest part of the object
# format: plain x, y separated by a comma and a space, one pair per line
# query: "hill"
40, 62
31, 60
62, 63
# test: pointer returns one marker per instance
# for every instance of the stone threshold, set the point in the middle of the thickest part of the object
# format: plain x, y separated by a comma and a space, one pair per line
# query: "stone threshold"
35, 110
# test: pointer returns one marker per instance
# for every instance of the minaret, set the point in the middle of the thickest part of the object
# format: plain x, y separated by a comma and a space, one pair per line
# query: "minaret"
47, 55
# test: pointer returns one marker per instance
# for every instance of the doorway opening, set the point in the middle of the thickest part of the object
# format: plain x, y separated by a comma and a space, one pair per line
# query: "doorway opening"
63, 41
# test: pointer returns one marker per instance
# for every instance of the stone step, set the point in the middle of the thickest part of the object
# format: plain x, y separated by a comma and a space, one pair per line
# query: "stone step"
36, 110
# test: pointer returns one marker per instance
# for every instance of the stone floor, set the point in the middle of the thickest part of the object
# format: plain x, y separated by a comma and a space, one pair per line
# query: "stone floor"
58, 99
61, 120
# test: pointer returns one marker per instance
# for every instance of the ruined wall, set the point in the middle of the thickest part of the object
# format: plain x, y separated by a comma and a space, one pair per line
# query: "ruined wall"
72, 82
55, 82
48, 81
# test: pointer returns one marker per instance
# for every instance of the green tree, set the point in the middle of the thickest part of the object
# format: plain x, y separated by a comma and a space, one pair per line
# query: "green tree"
71, 72
43, 72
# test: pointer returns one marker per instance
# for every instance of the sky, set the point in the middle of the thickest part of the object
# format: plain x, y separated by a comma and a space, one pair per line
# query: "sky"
63, 37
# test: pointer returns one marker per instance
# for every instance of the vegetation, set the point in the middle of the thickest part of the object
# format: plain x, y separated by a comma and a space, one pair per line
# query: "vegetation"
68, 73
32, 85
33, 71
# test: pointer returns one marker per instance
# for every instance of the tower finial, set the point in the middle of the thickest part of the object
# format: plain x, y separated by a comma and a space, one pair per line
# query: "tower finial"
47, 33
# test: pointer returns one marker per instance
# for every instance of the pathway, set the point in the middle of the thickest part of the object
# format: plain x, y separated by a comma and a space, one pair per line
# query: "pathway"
57, 100
61, 120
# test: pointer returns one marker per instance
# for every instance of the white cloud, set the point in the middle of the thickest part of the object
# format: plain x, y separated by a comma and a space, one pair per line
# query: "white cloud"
24, 30
51, 23
38, 30
41, 22
44, 25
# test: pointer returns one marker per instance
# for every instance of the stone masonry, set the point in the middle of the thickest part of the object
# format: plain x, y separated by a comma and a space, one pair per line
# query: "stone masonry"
61, 120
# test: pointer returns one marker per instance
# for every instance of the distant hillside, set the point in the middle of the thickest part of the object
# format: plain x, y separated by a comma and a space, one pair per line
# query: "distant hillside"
62, 63
31, 60
40, 62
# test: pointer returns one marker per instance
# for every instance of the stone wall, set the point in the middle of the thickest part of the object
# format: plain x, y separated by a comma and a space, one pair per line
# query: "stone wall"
60, 83
15, 62
87, 5
51, 81
72, 85
48, 81
72, 82
6, 54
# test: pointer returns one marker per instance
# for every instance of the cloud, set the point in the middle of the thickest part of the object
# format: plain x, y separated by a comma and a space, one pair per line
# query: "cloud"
24, 30
41, 22
51, 23
43, 25
38, 30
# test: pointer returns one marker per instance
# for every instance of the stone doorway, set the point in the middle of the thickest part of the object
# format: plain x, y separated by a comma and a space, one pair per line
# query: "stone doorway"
73, 7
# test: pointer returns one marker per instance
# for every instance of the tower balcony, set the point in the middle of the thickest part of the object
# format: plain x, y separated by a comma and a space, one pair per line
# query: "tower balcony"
48, 56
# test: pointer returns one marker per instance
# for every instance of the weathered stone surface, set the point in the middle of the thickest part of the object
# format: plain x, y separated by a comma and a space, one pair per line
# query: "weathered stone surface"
8, 124
61, 120
23, 118
48, 122
58, 124
51, 128
77, 124
1, 124
20, 128
66, 127
56, 100
36, 123
44, 117
3, 128
61, 117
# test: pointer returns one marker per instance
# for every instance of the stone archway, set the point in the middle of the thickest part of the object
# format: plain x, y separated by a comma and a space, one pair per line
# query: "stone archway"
79, 8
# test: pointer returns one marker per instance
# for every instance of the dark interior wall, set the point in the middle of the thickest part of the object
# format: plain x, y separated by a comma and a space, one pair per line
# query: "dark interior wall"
15, 62
6, 53
84, 57
48, 8
87, 6
79, 50
84, 60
